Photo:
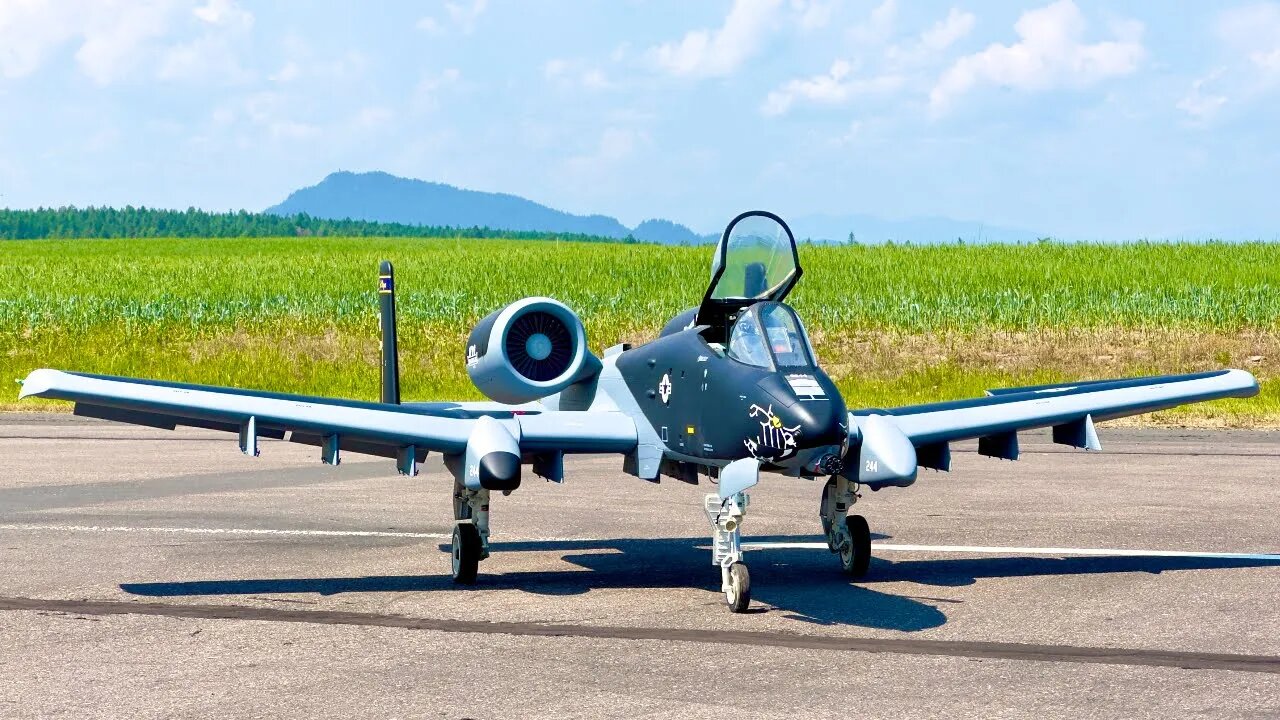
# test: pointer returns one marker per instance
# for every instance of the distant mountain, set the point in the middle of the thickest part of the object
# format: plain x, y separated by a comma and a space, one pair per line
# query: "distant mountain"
871, 230
666, 232
379, 197
383, 198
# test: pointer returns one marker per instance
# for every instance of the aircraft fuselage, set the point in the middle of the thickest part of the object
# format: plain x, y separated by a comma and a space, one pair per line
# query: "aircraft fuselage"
710, 409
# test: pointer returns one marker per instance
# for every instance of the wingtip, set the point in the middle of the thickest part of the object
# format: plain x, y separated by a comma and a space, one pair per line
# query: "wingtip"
37, 382
1244, 380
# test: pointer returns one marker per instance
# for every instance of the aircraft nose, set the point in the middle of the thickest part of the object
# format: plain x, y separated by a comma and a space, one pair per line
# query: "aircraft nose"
819, 410
822, 422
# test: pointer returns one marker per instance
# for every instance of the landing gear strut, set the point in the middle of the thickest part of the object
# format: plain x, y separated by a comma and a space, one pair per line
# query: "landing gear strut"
726, 547
470, 532
847, 535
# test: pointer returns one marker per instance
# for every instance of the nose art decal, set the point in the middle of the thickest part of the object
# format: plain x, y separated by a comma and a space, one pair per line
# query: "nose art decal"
774, 441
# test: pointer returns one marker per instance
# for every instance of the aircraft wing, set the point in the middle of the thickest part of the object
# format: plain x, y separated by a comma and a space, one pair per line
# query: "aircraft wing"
900, 437
371, 428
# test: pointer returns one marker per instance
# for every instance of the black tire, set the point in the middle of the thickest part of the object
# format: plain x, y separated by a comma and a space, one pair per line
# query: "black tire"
826, 524
856, 558
466, 553
738, 597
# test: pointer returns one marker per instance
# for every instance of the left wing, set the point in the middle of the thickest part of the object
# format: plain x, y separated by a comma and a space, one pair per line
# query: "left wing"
896, 440
405, 432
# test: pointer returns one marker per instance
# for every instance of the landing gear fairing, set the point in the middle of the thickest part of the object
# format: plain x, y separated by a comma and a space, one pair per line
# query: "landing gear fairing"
728, 390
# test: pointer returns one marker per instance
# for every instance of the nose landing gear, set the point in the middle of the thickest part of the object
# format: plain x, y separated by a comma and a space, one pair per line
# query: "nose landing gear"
726, 547
847, 535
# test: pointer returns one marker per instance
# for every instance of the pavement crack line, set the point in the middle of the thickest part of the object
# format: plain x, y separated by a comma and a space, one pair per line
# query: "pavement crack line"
947, 648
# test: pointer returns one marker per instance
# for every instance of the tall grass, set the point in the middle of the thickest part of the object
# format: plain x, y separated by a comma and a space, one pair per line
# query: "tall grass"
300, 313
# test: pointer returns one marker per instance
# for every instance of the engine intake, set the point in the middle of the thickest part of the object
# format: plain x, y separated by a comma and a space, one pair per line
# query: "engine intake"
530, 349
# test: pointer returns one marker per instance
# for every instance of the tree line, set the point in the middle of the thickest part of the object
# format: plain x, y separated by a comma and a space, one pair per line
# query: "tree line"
143, 222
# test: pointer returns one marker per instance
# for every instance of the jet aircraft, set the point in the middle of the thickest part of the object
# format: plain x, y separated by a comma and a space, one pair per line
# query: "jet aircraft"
729, 389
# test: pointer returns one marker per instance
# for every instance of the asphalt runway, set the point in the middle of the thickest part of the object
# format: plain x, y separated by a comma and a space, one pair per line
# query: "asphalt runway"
146, 573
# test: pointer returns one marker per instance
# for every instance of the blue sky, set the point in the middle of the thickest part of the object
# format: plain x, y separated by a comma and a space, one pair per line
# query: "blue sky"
1078, 119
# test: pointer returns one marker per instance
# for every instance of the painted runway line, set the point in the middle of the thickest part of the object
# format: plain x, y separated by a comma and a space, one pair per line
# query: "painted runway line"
1013, 550
222, 531
877, 547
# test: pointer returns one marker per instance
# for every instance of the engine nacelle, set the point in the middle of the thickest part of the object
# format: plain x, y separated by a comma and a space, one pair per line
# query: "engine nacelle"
530, 349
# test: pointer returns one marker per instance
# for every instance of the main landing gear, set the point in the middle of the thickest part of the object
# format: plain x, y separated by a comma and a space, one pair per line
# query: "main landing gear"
726, 547
470, 532
847, 535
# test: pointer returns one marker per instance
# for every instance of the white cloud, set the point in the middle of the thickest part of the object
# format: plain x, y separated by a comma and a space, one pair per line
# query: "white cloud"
944, 33
1268, 61
116, 35
112, 35
573, 73
1050, 53
426, 96
462, 16
814, 14
897, 65
114, 38
878, 27
213, 55
1253, 32
287, 72
29, 31
225, 13
719, 52
615, 146
269, 111
836, 86
327, 65
933, 41
1201, 104
372, 117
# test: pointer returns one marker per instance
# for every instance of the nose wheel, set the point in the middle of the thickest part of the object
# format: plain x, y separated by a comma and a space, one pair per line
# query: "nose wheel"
849, 536
737, 590
726, 518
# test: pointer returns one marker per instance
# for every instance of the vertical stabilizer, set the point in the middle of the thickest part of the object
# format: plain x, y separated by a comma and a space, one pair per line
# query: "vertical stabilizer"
387, 320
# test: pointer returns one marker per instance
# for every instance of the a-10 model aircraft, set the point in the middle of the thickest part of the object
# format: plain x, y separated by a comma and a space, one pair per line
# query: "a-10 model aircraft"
728, 389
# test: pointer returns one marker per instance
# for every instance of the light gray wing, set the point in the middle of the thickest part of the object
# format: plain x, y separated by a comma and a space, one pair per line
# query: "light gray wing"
894, 439
371, 428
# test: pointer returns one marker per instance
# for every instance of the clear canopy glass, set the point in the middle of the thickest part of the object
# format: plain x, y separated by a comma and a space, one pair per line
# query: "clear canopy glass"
770, 330
786, 337
746, 344
758, 260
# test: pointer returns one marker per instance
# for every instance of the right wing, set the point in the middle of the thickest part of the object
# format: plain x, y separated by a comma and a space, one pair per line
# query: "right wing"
893, 442
364, 427
1013, 409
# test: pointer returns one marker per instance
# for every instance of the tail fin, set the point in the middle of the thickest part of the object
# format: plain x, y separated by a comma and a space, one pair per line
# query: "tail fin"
387, 319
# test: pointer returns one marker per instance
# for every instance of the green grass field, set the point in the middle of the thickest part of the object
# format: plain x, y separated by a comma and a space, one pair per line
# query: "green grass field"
892, 324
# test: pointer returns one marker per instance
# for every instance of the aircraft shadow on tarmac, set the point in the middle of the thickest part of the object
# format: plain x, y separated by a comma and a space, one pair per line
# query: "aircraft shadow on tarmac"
803, 584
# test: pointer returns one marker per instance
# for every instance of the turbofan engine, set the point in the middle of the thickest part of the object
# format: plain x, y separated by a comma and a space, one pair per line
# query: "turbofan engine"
527, 350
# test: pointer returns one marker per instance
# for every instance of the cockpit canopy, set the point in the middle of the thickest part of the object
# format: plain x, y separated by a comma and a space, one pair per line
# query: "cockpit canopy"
769, 335
755, 260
